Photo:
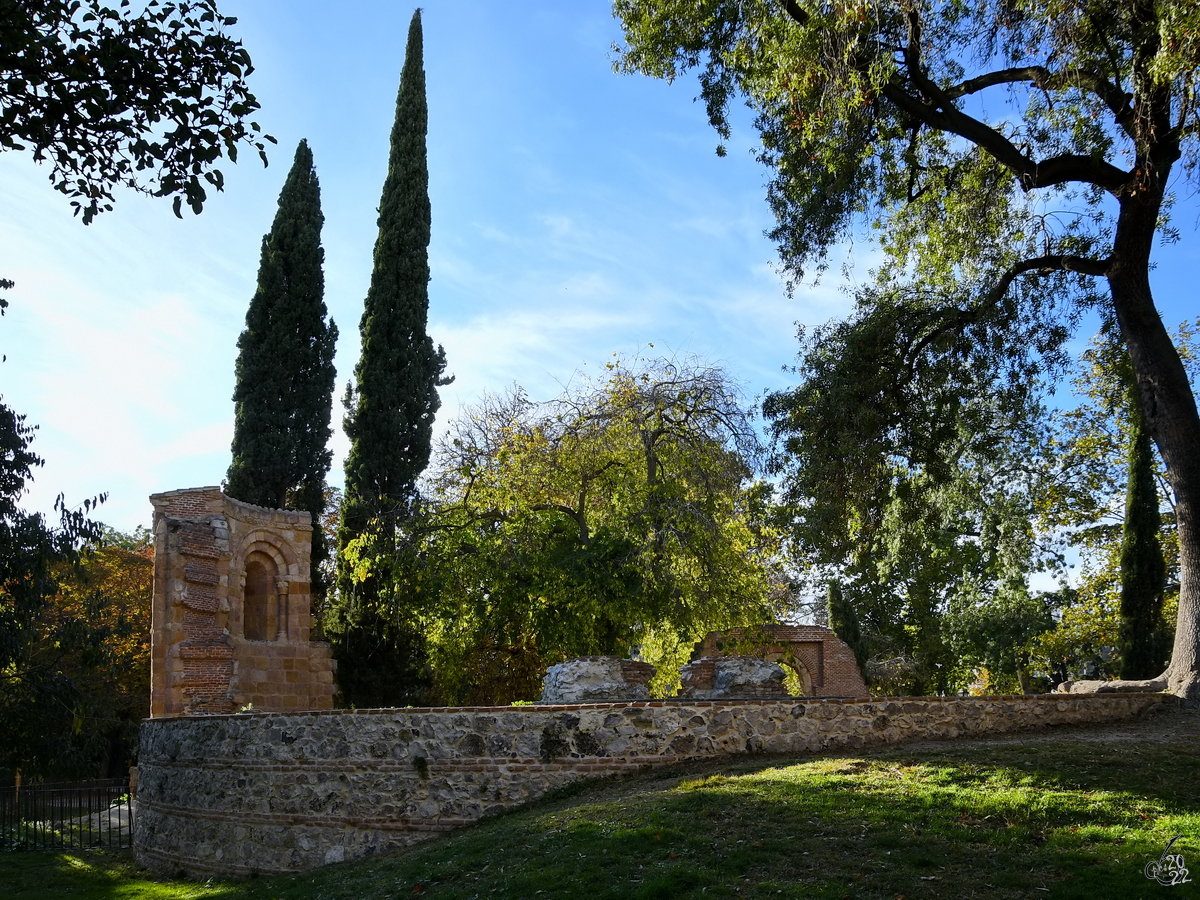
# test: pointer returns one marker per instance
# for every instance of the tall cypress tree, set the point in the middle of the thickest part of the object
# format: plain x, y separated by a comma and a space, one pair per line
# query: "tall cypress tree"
389, 418
1144, 649
283, 398
844, 623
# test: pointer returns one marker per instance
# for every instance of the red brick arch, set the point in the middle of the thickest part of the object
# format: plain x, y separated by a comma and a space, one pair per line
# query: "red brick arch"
826, 666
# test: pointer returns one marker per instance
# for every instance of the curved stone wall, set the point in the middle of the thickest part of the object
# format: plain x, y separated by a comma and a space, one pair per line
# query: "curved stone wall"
235, 795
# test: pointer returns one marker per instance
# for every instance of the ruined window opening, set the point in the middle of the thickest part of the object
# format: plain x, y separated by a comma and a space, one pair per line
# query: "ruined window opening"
256, 602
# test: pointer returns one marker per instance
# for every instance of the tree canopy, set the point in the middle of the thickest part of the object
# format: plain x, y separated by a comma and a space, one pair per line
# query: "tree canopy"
623, 515
1013, 159
917, 489
34, 556
148, 100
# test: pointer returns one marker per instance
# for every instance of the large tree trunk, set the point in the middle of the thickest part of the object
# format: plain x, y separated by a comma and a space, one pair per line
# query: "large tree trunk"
1166, 395
1170, 410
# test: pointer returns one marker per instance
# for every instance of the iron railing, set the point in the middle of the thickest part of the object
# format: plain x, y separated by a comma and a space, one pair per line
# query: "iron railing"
67, 816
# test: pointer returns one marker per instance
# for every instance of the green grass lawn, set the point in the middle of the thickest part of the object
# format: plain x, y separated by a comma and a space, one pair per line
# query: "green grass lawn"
1042, 816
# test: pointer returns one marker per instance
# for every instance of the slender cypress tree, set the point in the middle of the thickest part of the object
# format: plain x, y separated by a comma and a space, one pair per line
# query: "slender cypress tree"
844, 623
389, 418
283, 398
1143, 570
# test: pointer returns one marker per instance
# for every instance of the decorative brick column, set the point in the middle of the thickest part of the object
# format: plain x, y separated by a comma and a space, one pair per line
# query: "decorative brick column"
209, 653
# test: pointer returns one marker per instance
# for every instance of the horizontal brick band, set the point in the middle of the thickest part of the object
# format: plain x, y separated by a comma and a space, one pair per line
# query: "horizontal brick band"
379, 823
230, 767
201, 574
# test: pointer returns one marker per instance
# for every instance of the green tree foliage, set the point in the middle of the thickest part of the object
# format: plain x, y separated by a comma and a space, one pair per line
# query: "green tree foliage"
86, 688
992, 635
108, 596
328, 523
624, 514
1015, 158
1143, 569
844, 622
915, 491
283, 397
33, 553
1086, 629
1084, 499
149, 100
389, 419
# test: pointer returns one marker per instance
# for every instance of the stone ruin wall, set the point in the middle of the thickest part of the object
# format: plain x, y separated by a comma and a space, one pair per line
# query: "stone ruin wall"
283, 790
826, 666
236, 795
231, 614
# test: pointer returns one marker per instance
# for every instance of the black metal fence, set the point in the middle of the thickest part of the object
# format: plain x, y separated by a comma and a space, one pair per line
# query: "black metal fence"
67, 816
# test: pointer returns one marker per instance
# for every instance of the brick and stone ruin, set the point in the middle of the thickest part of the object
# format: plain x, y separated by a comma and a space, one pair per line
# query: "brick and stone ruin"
738, 664
231, 610
315, 785
594, 679
732, 678
825, 665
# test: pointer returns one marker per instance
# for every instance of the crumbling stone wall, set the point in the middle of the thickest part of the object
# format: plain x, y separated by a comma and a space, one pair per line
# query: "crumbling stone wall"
732, 678
826, 666
231, 617
235, 795
588, 679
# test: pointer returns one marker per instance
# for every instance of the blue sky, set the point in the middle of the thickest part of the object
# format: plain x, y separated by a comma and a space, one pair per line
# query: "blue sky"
576, 213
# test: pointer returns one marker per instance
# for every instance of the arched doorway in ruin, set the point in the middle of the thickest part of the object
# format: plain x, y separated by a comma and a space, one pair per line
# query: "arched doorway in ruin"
231, 620
260, 605
797, 679
815, 661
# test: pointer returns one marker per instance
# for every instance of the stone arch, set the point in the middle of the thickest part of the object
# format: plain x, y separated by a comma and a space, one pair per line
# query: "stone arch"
261, 540
788, 660
264, 566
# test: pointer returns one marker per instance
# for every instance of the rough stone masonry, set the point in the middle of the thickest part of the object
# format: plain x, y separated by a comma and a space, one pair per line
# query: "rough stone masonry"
235, 795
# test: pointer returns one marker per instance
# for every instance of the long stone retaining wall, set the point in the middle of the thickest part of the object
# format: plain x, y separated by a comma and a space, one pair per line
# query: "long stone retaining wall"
241, 794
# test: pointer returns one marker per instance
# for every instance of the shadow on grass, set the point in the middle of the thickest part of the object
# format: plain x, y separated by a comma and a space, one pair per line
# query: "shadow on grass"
87, 875
1060, 819
1165, 771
